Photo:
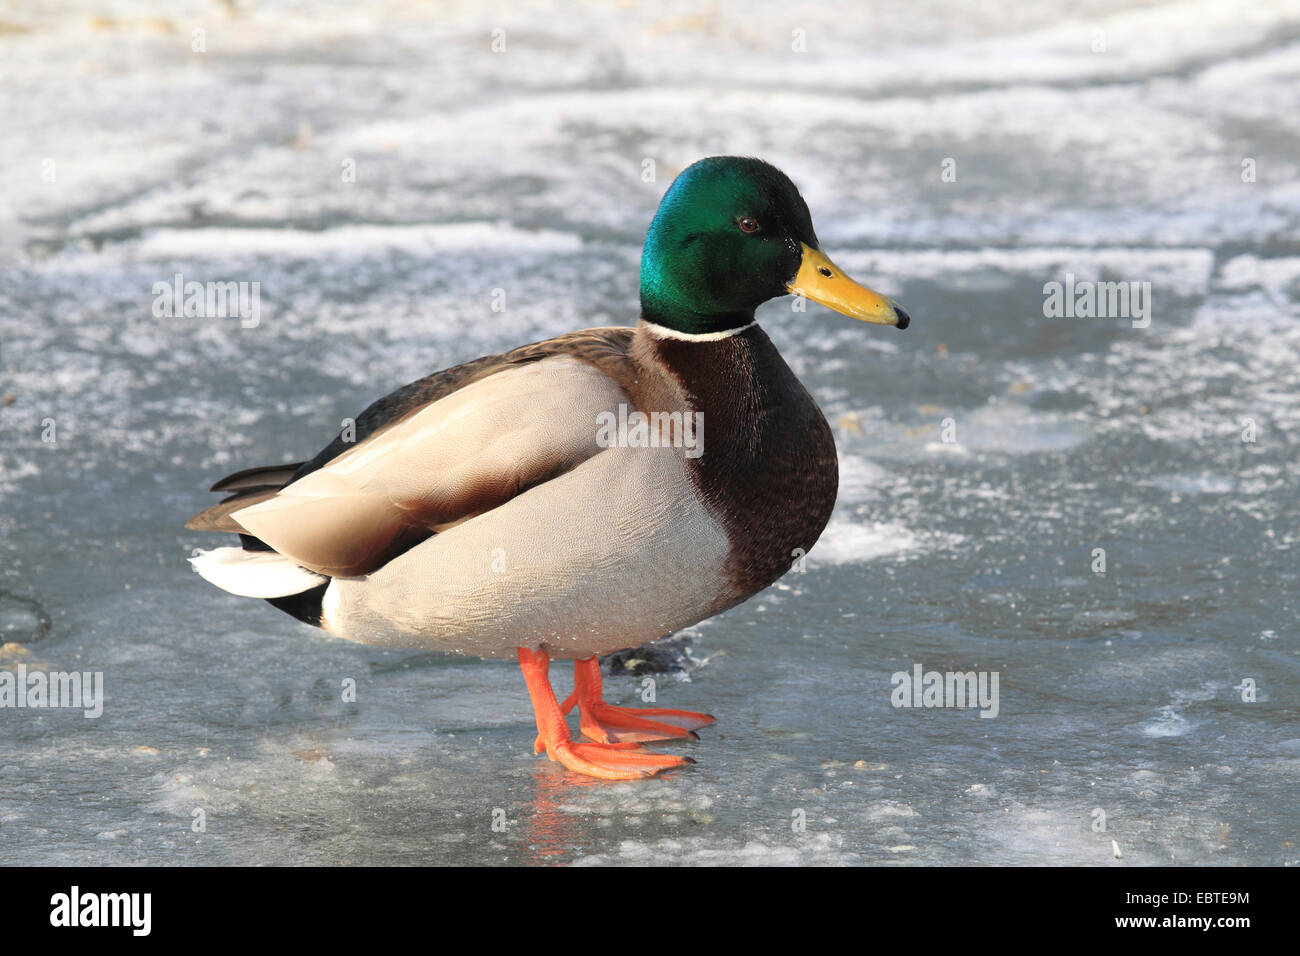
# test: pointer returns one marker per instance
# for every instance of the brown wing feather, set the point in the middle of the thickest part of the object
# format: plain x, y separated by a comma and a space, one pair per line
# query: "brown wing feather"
606, 348
217, 518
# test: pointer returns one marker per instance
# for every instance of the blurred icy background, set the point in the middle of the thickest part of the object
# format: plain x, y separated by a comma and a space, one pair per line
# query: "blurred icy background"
1101, 138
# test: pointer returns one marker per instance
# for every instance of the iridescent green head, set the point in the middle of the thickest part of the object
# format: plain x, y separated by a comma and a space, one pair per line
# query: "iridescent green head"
731, 233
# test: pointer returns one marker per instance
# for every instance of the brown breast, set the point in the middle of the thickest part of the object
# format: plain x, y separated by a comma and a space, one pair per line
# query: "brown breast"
768, 468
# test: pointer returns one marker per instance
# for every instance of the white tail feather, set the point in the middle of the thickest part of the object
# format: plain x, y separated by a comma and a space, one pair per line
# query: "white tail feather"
258, 574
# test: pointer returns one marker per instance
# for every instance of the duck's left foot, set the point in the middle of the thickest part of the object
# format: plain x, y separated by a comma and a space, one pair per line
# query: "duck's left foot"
609, 724
612, 761
607, 760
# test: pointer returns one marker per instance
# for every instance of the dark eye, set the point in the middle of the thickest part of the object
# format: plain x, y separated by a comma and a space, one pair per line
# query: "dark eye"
747, 224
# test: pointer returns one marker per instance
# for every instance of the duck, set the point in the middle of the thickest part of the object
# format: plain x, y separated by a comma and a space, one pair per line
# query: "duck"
578, 496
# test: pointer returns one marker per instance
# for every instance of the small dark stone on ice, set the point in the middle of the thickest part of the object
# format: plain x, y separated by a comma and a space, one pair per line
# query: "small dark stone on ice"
662, 657
22, 619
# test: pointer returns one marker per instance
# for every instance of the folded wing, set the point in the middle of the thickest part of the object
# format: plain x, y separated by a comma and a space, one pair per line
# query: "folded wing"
443, 463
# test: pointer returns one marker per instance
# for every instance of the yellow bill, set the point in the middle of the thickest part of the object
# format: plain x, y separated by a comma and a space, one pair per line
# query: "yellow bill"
823, 281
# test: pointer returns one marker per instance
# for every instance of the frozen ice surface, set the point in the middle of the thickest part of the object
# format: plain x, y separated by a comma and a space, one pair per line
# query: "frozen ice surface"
1120, 694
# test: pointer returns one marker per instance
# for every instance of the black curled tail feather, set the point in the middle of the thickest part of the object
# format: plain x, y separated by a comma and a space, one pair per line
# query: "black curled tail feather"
248, 487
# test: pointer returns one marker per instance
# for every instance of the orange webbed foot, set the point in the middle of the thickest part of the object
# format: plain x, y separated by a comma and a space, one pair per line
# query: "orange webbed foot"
607, 723
612, 760
618, 761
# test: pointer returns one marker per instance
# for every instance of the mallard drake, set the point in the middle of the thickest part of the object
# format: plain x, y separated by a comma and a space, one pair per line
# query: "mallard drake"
581, 495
